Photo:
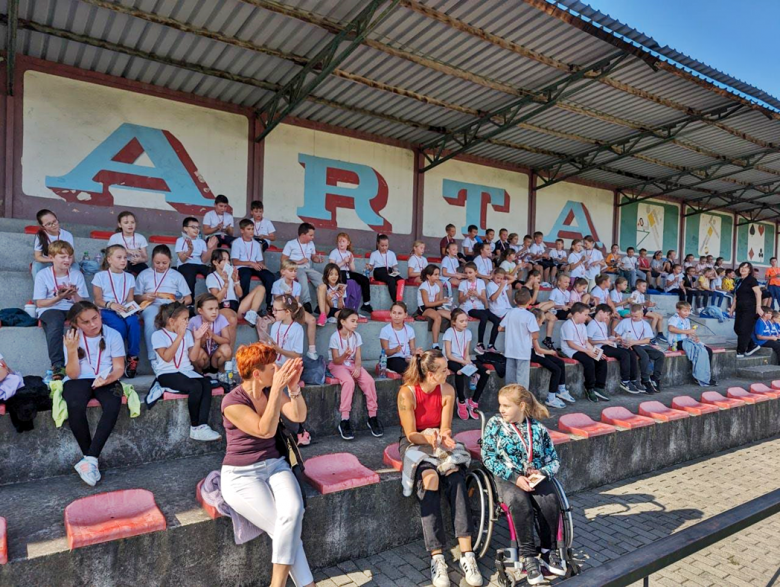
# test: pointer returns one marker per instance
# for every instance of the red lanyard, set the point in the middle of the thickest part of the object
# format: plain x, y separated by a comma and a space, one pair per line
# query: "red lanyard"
96, 367
300, 246
603, 329
528, 446
343, 260
418, 262
56, 283
461, 346
566, 294
284, 338
154, 276
251, 250
124, 287
125, 241
176, 363
398, 340
385, 256
634, 331
256, 227
583, 343
346, 346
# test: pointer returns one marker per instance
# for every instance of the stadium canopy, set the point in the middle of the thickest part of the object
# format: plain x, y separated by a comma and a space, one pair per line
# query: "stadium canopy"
557, 89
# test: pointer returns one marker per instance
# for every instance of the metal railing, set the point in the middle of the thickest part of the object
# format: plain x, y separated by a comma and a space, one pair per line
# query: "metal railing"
645, 561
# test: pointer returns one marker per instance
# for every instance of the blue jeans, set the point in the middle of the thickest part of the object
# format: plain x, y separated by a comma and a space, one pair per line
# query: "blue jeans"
774, 291
129, 328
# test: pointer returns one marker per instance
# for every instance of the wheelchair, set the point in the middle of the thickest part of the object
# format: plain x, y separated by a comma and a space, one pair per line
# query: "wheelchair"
486, 510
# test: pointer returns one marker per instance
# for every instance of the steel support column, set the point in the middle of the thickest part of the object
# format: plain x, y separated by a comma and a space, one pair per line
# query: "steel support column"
10, 50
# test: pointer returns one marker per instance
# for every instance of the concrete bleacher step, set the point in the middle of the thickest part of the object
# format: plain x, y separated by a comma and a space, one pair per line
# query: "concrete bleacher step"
763, 372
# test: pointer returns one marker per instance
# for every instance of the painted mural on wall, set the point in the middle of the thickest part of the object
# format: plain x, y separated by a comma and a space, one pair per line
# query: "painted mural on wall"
568, 211
710, 233
463, 194
756, 243
652, 225
334, 181
100, 146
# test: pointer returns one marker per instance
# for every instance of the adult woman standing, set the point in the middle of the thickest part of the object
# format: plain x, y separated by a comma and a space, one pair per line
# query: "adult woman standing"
426, 401
256, 480
746, 309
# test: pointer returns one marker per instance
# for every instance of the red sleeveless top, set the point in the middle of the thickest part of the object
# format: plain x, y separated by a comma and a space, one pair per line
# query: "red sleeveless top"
427, 412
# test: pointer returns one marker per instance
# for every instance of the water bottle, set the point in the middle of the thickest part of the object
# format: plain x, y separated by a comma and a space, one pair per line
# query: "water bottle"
48, 377
231, 383
473, 382
86, 256
367, 272
98, 258
383, 365
179, 296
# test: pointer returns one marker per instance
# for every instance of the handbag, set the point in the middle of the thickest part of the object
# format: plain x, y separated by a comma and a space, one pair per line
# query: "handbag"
287, 446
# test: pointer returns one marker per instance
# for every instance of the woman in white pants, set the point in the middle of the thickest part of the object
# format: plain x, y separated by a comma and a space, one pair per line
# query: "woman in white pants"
256, 480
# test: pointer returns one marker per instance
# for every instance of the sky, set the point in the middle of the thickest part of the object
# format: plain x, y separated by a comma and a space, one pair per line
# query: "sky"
738, 37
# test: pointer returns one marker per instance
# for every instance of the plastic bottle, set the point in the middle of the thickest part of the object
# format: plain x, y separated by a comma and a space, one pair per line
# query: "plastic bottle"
231, 383
48, 377
367, 272
383, 365
473, 382
86, 256
98, 258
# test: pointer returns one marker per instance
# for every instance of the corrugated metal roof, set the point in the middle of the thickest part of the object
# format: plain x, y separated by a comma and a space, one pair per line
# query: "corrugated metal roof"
431, 67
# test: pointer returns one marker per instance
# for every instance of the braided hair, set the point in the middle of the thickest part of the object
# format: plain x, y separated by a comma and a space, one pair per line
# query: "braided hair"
73, 314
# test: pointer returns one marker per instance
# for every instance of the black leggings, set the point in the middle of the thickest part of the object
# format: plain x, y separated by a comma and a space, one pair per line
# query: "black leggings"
383, 275
744, 323
136, 268
190, 272
682, 296
245, 275
397, 364
77, 393
629, 365
555, 366
462, 381
362, 281
769, 344
485, 316
199, 391
541, 504
595, 371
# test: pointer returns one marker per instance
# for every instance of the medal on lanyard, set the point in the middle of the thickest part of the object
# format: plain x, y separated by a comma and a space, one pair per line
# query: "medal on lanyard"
124, 288
96, 367
157, 285
346, 347
284, 339
251, 251
398, 340
529, 446
176, 363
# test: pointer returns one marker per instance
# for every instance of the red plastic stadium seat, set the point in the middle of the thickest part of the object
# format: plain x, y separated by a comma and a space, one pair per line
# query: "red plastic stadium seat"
210, 510
2, 409
273, 249
610, 359
581, 424
384, 316
687, 404
717, 350
332, 381
535, 365
569, 361
760, 388
101, 234
716, 399
489, 367
167, 395
470, 438
776, 385
389, 374
109, 516
660, 412
620, 416
559, 437
435, 260
31, 229
373, 281
746, 396
3, 542
93, 403
337, 472
674, 353
392, 458
401, 257
160, 239
411, 282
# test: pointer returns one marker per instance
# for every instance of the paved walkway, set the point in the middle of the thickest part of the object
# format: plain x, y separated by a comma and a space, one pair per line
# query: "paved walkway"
616, 519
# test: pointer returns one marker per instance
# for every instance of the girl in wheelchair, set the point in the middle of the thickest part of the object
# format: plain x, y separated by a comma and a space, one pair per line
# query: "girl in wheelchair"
518, 451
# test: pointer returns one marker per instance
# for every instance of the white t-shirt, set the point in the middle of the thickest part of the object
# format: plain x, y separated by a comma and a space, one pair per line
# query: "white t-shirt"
180, 363
501, 305
296, 251
560, 297
263, 227
601, 295
616, 296
137, 241
288, 337
199, 247
400, 338
246, 251
468, 243
170, 282
387, 260
484, 265
674, 281
559, 256
212, 219
280, 288
637, 297
472, 303
577, 333
593, 256
459, 342
46, 285
96, 362
451, 264
215, 281
678, 322
520, 325
536, 249
417, 264
431, 290
63, 236
598, 331
115, 286
630, 330
351, 342
579, 270
342, 259
628, 263
508, 266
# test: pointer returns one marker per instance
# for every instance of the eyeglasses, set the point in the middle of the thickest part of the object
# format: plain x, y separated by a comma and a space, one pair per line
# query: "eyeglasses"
52, 223
196, 226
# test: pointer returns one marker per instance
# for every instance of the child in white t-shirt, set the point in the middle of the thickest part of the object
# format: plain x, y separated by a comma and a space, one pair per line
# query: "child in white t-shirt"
635, 334
50, 232
135, 244
384, 265
575, 345
451, 275
473, 300
431, 302
549, 359
398, 340
287, 286
457, 345
193, 254
416, 263
265, 231
214, 349
219, 222
519, 326
498, 291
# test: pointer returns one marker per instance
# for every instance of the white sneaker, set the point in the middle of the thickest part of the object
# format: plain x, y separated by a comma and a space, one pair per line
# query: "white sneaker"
566, 396
204, 433
251, 317
439, 576
468, 564
554, 402
87, 469
331, 320
312, 355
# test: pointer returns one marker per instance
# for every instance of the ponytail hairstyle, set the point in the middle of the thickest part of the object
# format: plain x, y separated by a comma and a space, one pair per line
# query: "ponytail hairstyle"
293, 306
427, 271
201, 300
123, 215
519, 395
420, 365
505, 254
380, 238
343, 315
161, 250
216, 256
345, 236
415, 244
168, 312
77, 310
574, 242
109, 252
42, 235
454, 315
401, 305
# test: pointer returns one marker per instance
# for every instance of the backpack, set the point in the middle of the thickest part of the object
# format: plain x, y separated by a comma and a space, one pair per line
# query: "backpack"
313, 370
17, 317
354, 295
498, 361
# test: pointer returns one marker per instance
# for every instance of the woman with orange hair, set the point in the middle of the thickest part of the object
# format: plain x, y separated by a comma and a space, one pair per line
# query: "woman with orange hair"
256, 479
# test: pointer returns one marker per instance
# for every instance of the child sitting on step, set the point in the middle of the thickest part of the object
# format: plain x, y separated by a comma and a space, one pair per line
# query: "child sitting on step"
384, 265
50, 232
549, 359
451, 275
457, 351
346, 365
416, 263
398, 340
683, 337
135, 244
192, 252
431, 302
344, 258
575, 345
214, 348
288, 286
473, 300
331, 294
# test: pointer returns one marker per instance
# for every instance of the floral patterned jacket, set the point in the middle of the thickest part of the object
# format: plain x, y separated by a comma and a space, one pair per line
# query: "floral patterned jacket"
504, 454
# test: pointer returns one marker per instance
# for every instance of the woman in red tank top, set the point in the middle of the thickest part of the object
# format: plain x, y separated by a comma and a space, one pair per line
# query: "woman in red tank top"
427, 401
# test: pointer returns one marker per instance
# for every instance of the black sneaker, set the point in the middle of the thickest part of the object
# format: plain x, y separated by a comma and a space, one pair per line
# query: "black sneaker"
533, 571
367, 308
345, 429
713, 382
552, 561
601, 394
58, 373
656, 384
752, 350
591, 395
624, 386
548, 342
375, 426
649, 389
633, 388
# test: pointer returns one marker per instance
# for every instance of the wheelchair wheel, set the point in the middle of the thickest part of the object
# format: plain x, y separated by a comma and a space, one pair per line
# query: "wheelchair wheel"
565, 530
481, 503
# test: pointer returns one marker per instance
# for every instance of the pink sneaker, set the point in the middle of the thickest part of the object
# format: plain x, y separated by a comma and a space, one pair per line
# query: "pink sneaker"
463, 411
323, 318
304, 438
472, 405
